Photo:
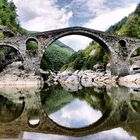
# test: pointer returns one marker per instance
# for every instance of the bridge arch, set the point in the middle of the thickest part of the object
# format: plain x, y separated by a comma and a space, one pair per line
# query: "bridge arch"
83, 131
10, 111
83, 32
31, 40
11, 46
133, 50
57, 34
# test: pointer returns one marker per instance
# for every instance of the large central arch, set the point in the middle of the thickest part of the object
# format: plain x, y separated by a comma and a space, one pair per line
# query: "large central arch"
83, 32
78, 31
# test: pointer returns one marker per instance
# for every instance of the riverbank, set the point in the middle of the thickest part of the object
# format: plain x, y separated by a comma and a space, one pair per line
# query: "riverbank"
13, 75
74, 81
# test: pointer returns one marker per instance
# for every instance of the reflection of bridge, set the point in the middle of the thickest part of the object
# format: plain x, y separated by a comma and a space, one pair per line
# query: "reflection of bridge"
121, 113
119, 49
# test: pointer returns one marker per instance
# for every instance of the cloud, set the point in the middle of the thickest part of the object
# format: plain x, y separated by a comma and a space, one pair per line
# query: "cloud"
105, 20
70, 115
42, 15
51, 14
114, 134
76, 42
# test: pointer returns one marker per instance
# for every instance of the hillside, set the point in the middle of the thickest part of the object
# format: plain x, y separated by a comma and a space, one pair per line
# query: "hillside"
8, 18
128, 26
87, 58
55, 56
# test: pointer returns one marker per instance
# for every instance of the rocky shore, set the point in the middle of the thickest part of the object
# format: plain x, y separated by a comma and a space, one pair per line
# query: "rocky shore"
74, 81
14, 75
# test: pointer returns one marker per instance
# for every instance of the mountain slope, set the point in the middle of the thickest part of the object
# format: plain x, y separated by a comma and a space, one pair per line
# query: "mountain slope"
128, 26
55, 56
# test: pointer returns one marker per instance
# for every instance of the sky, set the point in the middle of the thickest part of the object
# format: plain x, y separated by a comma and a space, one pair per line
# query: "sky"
43, 15
114, 134
70, 114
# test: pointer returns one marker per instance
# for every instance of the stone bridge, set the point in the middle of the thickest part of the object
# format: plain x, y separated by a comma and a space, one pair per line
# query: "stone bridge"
119, 49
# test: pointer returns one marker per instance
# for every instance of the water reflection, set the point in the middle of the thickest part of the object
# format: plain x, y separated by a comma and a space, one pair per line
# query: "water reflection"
76, 114
9, 111
77, 109
107, 113
115, 134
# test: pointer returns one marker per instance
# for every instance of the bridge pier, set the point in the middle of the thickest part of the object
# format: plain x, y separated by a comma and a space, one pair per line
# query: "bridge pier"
32, 65
119, 69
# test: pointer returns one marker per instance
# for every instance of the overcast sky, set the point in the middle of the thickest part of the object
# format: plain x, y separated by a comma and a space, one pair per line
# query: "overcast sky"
43, 15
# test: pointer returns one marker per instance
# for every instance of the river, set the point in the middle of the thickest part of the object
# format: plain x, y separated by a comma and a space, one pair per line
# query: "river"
53, 113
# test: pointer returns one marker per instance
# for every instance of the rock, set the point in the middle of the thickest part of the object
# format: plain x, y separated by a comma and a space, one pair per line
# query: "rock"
13, 76
52, 79
98, 67
135, 67
69, 80
87, 79
108, 68
71, 83
132, 81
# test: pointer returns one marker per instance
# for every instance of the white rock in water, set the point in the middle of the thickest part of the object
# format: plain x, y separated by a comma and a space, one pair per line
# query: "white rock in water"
71, 83
132, 81
87, 79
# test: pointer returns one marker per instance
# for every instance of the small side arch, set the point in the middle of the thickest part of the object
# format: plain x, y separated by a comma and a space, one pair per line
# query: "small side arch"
15, 50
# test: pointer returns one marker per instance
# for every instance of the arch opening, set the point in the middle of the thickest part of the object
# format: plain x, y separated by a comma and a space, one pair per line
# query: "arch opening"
134, 61
9, 55
33, 118
122, 46
32, 46
100, 46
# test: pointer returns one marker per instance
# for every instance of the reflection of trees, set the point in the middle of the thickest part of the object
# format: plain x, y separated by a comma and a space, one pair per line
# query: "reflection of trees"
54, 98
133, 129
95, 97
9, 111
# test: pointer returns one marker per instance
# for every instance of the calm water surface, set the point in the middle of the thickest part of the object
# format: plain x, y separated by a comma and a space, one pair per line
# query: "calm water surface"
54, 113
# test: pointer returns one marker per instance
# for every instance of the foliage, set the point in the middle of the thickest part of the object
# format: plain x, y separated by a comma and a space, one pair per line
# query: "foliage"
54, 98
55, 57
93, 98
8, 17
137, 11
132, 27
84, 59
128, 26
117, 26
